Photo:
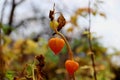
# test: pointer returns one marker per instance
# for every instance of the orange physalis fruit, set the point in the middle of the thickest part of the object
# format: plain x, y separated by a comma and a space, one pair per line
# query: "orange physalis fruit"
56, 44
71, 66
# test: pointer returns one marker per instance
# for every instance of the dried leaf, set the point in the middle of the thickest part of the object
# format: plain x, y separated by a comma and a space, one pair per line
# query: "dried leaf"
51, 13
61, 20
86, 32
102, 14
82, 10
74, 20
70, 29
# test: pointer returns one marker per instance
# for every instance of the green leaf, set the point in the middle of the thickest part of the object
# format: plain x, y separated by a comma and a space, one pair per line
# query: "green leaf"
6, 28
29, 70
10, 75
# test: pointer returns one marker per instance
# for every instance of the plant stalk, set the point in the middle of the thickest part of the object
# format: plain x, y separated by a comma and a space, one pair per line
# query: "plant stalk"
68, 46
90, 44
70, 53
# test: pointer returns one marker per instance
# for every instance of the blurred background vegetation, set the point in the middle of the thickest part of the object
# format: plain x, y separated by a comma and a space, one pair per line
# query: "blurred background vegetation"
25, 33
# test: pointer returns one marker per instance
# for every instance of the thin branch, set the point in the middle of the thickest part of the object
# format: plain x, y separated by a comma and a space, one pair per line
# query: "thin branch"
12, 13
2, 12
20, 2
25, 20
68, 46
14, 5
90, 43
34, 8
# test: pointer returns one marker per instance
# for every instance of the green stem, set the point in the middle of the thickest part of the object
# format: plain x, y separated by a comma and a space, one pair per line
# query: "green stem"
68, 46
70, 53
33, 75
32, 66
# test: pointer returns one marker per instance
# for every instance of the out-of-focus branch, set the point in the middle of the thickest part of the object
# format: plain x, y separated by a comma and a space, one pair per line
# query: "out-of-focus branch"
26, 20
2, 12
14, 5
20, 2
90, 44
12, 13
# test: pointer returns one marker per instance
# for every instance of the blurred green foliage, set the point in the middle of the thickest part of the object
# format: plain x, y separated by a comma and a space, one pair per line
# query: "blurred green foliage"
20, 53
